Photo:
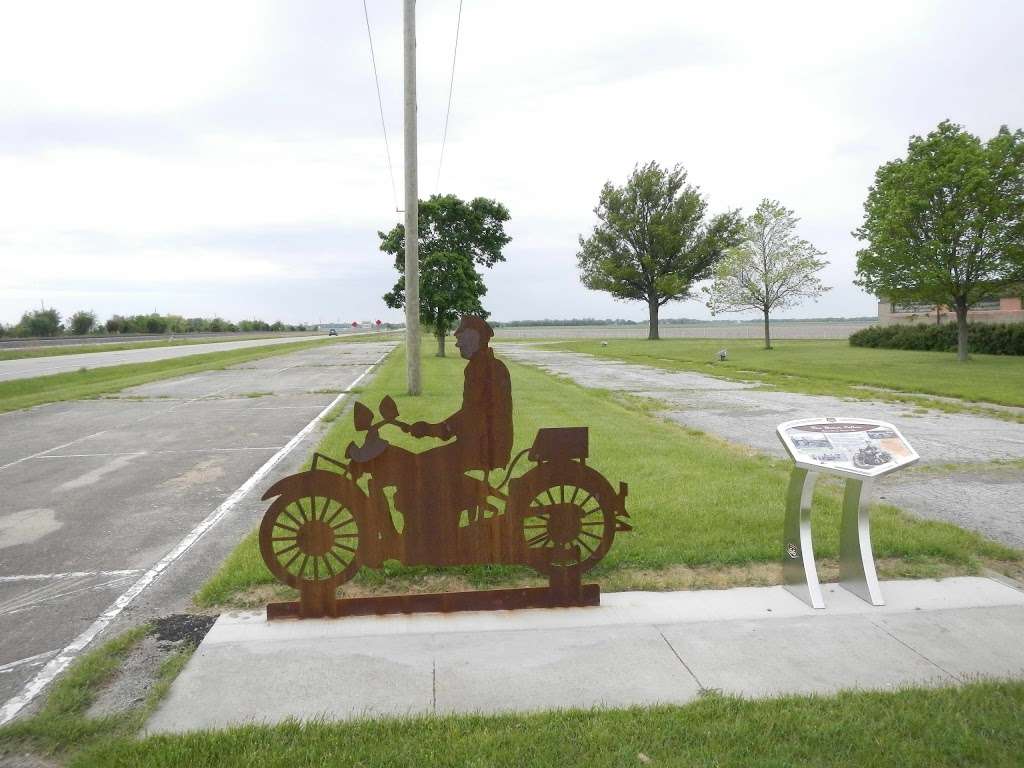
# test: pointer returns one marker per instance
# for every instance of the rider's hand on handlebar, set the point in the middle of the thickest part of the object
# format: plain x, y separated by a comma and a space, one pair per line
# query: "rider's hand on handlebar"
419, 429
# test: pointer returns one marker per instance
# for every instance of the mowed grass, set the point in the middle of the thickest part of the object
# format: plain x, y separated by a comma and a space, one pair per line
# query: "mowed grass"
91, 382
827, 367
695, 501
978, 724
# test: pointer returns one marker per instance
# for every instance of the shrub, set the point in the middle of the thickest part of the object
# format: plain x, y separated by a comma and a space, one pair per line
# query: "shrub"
82, 322
982, 338
39, 322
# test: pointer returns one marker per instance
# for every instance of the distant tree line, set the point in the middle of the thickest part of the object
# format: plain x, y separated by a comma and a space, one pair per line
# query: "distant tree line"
47, 323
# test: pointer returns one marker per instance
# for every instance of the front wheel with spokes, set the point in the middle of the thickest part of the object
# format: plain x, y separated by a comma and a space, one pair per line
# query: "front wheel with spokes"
310, 539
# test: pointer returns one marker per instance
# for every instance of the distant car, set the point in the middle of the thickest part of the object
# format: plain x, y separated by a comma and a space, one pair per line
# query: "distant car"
332, 332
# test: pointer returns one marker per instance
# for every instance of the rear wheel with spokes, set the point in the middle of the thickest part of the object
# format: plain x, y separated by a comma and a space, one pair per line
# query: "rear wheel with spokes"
567, 514
310, 540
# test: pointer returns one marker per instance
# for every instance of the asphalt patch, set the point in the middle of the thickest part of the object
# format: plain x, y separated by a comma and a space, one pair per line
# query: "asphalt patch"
180, 627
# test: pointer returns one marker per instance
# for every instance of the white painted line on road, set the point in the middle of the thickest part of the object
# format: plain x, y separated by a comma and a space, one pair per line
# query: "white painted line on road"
48, 450
39, 658
57, 665
104, 431
68, 575
156, 453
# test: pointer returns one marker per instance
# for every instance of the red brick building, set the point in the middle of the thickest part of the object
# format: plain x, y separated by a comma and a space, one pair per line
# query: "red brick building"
1007, 309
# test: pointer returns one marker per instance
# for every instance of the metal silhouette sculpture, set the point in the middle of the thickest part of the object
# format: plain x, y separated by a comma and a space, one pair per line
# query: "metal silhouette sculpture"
388, 503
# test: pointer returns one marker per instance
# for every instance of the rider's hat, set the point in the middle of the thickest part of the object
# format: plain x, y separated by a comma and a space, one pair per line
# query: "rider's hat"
477, 324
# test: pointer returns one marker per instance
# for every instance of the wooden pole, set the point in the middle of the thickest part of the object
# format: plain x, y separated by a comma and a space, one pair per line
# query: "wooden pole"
412, 267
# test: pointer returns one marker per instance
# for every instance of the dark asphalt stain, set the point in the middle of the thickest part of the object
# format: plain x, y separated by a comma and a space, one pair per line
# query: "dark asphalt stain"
182, 627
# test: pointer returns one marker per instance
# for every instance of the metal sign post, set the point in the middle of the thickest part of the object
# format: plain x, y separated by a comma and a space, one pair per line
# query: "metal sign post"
858, 450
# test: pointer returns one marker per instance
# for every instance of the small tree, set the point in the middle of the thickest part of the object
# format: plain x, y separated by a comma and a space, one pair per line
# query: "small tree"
82, 322
449, 287
651, 242
771, 269
946, 223
455, 238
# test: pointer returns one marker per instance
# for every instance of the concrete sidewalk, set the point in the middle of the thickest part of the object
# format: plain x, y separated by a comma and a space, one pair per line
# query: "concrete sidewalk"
637, 648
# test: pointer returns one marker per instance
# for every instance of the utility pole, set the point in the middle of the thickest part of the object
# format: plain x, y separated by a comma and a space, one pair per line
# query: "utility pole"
412, 235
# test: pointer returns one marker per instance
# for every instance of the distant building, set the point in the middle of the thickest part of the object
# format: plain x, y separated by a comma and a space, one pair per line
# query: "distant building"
1006, 309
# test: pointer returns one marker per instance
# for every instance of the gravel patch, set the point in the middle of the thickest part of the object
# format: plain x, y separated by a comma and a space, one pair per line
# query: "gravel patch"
741, 412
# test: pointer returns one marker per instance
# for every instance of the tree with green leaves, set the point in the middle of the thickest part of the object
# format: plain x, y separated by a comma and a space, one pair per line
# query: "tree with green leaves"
945, 224
40, 323
772, 269
651, 242
82, 322
456, 238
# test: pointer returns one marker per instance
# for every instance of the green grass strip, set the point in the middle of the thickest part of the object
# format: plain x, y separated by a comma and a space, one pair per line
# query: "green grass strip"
694, 500
91, 382
978, 724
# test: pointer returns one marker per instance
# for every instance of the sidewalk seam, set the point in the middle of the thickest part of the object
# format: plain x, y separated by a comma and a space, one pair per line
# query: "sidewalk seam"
686, 666
917, 652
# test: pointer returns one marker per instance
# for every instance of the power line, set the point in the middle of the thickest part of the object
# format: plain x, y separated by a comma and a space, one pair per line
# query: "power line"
380, 105
451, 86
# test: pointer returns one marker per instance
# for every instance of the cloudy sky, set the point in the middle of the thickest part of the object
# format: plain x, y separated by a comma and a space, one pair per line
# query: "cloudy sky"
227, 158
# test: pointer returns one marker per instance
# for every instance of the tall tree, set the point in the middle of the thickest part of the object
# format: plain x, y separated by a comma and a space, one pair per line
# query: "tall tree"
651, 242
946, 223
456, 237
773, 268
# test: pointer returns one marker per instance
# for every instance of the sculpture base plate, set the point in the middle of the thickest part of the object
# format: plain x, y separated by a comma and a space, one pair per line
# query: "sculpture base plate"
448, 602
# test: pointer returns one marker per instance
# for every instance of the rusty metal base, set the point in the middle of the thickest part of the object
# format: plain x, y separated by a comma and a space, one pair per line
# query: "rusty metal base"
485, 600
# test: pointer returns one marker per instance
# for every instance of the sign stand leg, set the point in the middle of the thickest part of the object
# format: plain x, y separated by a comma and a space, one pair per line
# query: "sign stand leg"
856, 560
799, 573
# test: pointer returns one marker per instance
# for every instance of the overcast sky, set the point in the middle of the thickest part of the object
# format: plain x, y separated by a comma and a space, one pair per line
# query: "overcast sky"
227, 158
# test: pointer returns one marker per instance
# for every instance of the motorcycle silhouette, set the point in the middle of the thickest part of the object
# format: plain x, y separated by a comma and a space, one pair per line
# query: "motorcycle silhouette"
385, 503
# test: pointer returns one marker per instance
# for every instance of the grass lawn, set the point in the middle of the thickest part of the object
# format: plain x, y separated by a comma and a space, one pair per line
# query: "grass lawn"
90, 382
979, 724
705, 513
828, 367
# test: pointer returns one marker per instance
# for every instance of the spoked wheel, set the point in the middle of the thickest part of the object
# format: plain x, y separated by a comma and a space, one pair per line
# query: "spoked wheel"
568, 515
310, 540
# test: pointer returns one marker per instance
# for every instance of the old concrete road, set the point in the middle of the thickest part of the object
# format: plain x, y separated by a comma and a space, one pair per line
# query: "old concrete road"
28, 367
116, 509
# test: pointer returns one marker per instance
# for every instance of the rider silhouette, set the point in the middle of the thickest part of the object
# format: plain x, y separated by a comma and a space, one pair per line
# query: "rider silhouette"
432, 487
482, 427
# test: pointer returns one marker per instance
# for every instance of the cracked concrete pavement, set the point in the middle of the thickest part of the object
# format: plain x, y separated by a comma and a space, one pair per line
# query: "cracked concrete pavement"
986, 500
96, 493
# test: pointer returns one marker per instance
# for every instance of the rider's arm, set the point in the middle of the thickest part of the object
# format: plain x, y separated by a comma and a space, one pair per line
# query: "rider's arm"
443, 430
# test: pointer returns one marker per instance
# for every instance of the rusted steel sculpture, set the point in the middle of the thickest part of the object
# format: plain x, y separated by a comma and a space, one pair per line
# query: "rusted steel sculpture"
559, 517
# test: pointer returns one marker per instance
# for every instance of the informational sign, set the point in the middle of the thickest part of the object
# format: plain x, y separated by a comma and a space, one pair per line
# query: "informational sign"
845, 446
